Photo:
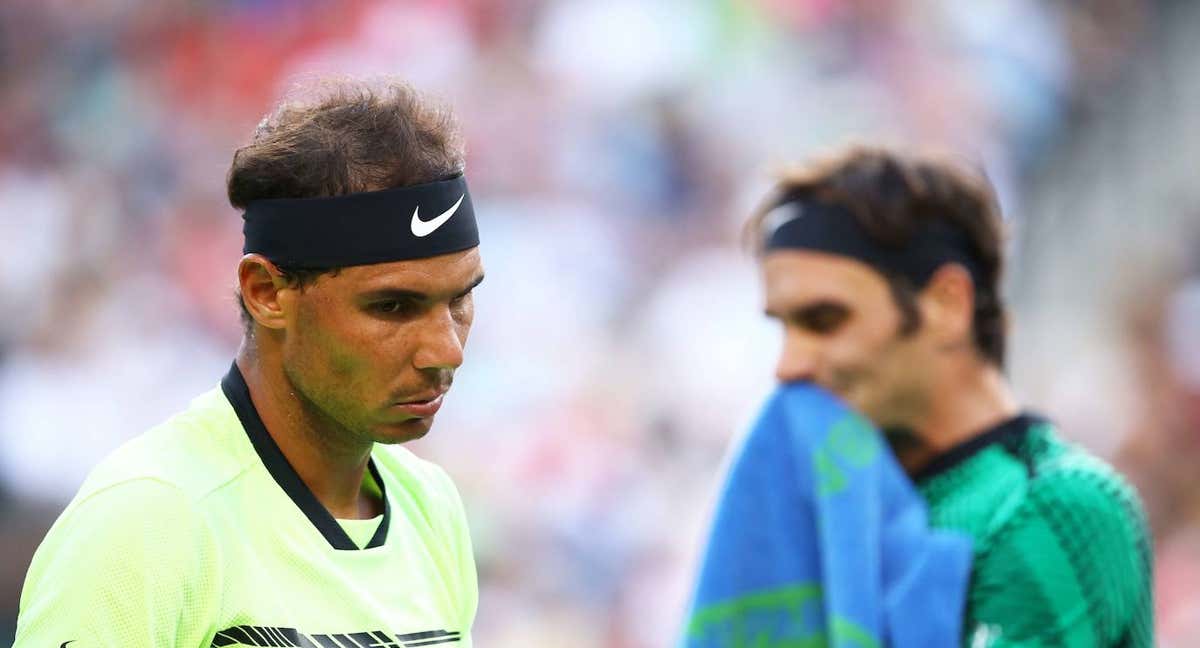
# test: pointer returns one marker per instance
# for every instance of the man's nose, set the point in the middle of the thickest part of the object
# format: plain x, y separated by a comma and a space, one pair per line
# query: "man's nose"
798, 359
441, 344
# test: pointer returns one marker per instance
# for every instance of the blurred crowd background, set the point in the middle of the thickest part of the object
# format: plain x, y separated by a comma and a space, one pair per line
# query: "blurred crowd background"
615, 148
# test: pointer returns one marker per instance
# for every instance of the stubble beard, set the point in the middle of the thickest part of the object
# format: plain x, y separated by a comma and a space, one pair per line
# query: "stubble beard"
325, 426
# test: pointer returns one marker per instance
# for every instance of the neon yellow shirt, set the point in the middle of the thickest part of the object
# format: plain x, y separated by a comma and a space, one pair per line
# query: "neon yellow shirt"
199, 534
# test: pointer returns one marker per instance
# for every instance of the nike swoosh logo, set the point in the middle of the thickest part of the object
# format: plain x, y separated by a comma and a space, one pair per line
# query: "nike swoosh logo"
425, 228
781, 216
64, 644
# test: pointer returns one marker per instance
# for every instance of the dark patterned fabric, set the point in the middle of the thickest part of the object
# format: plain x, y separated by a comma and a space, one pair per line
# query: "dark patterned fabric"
1062, 550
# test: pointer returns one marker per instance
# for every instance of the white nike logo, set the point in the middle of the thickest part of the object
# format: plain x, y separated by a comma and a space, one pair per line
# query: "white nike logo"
781, 216
425, 228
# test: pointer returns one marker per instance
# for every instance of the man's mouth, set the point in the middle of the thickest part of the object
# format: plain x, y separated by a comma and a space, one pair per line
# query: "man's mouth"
422, 406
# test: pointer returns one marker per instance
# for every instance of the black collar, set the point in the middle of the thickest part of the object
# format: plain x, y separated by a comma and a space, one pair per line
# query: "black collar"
234, 386
1009, 433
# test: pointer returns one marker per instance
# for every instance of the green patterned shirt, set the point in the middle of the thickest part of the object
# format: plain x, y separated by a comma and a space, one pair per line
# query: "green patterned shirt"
1062, 551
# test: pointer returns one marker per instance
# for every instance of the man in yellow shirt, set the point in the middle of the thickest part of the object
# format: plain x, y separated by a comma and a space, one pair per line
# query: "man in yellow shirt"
279, 509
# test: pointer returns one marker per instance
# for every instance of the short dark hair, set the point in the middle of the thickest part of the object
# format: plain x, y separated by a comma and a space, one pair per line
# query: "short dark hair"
337, 137
889, 194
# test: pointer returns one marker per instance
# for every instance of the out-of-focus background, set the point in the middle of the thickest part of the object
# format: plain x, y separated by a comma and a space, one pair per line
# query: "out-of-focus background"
615, 148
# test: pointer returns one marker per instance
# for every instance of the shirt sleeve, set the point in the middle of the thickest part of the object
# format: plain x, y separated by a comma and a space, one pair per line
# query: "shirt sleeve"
1070, 568
129, 566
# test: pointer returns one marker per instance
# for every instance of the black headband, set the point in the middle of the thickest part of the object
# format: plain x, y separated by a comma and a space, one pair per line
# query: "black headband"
811, 225
414, 222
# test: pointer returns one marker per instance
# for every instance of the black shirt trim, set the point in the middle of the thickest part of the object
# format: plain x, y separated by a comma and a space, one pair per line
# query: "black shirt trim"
1009, 433
238, 393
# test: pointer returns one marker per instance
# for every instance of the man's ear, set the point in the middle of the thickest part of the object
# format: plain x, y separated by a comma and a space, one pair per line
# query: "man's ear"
264, 291
948, 305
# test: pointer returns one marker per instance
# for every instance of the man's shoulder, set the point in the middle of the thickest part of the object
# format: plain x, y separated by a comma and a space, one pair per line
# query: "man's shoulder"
195, 452
1067, 478
1029, 479
1075, 502
1077, 544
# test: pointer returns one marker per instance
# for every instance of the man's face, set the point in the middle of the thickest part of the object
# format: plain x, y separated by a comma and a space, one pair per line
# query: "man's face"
842, 331
372, 349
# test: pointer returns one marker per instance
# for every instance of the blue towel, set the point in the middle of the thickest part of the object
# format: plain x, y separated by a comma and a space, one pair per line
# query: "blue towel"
819, 539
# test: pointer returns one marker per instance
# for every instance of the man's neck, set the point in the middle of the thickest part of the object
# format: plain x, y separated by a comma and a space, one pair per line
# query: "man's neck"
971, 401
330, 464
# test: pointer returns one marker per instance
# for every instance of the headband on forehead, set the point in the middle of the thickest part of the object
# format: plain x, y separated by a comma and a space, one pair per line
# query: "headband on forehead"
811, 225
414, 222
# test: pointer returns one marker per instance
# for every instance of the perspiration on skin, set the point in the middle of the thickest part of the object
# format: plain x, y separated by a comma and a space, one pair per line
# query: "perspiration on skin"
356, 344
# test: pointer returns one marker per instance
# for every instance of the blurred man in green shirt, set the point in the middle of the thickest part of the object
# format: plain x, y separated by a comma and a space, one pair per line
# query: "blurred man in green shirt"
884, 272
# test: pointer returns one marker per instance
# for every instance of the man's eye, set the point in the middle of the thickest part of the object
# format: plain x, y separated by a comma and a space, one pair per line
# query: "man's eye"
823, 320
390, 307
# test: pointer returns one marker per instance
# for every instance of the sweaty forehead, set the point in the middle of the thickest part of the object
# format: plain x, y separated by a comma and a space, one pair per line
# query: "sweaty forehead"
796, 278
445, 273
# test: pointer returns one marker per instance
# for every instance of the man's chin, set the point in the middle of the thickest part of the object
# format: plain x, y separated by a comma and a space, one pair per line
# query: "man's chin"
861, 403
855, 401
402, 431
